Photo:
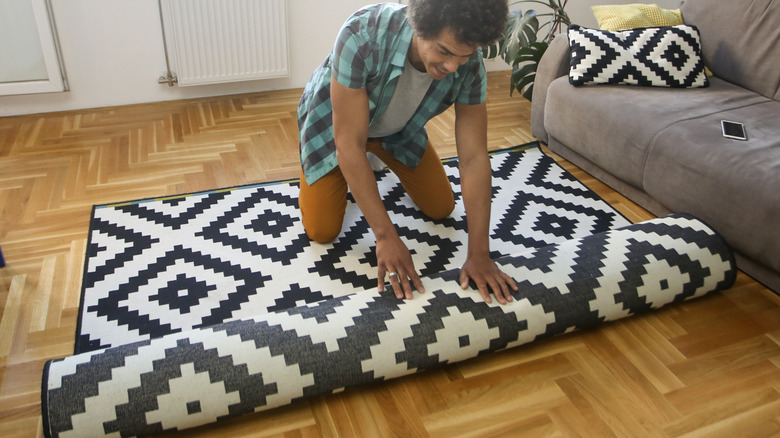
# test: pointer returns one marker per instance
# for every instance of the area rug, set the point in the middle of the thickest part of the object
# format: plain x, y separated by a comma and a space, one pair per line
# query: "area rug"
203, 375
161, 266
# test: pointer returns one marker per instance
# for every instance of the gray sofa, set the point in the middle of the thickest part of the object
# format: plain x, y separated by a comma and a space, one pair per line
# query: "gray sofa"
663, 148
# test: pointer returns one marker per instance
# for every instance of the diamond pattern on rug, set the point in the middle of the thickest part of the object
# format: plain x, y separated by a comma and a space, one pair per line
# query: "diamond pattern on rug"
156, 267
268, 360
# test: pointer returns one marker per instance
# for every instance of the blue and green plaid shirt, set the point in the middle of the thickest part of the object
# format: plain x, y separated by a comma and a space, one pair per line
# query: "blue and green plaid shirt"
369, 53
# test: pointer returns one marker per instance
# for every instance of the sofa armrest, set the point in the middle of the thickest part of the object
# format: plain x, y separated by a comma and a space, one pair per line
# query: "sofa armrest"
554, 64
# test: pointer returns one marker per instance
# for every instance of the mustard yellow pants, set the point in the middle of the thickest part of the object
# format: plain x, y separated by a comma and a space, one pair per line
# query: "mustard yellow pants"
324, 203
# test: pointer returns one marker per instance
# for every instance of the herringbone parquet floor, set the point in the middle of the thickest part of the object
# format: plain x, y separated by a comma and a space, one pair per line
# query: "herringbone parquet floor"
709, 367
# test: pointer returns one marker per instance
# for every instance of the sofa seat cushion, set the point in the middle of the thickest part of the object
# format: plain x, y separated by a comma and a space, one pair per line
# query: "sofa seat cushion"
614, 125
732, 185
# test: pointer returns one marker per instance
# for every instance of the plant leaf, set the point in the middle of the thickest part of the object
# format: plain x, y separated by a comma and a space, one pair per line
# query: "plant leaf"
524, 68
521, 30
529, 93
490, 52
520, 46
532, 53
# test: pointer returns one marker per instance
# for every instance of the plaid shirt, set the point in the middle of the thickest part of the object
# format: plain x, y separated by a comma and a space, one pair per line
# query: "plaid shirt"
369, 53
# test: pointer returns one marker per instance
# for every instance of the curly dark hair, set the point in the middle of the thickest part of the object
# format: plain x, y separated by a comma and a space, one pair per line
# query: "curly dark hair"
474, 22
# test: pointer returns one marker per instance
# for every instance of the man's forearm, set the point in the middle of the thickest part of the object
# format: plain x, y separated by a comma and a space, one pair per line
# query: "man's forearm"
476, 187
475, 173
362, 183
350, 129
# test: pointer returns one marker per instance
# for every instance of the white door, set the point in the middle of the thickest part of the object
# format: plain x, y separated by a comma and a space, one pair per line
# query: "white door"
29, 55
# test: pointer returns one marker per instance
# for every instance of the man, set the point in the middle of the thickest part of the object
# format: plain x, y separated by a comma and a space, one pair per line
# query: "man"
392, 69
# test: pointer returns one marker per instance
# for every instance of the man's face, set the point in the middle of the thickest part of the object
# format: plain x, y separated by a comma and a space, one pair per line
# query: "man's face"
440, 56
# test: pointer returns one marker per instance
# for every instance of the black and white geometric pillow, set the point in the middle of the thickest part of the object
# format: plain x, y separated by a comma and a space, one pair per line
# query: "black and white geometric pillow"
658, 57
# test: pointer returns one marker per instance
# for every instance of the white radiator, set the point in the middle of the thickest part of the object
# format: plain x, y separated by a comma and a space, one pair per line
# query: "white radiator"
216, 41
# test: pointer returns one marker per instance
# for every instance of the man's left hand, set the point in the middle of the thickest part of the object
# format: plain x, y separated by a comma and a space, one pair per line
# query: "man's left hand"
488, 277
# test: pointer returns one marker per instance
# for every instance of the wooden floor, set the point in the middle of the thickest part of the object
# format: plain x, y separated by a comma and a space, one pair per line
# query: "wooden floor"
709, 367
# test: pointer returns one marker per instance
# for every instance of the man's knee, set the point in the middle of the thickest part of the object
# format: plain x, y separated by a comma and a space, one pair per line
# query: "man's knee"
322, 233
322, 206
321, 222
440, 209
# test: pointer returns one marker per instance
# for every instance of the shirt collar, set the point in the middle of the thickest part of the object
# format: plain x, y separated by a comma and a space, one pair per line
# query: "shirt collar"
404, 41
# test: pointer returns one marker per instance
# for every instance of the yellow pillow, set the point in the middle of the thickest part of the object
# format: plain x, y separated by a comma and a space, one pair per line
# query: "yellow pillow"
620, 17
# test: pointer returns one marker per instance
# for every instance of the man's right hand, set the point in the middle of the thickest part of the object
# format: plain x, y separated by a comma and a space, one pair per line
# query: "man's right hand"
395, 261
350, 129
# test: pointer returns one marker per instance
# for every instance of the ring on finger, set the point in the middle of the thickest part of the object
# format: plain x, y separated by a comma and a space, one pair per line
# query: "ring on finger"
391, 275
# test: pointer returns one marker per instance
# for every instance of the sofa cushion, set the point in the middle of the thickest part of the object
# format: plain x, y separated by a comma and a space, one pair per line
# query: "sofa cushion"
740, 41
614, 125
660, 57
732, 185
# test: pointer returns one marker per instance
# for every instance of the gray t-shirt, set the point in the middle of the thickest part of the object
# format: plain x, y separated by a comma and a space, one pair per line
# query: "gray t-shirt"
409, 92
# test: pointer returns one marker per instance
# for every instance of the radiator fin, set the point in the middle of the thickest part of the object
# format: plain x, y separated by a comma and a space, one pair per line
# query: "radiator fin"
227, 40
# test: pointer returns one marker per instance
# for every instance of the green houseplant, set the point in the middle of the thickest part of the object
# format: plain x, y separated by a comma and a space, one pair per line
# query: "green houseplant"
521, 47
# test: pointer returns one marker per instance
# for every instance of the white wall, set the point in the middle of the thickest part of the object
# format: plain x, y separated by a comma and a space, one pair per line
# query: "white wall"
113, 52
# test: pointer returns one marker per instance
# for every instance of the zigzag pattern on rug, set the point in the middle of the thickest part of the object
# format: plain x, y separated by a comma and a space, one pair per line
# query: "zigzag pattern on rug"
201, 376
157, 267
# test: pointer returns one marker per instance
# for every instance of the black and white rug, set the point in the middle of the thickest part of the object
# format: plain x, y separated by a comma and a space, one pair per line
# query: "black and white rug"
162, 266
203, 375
